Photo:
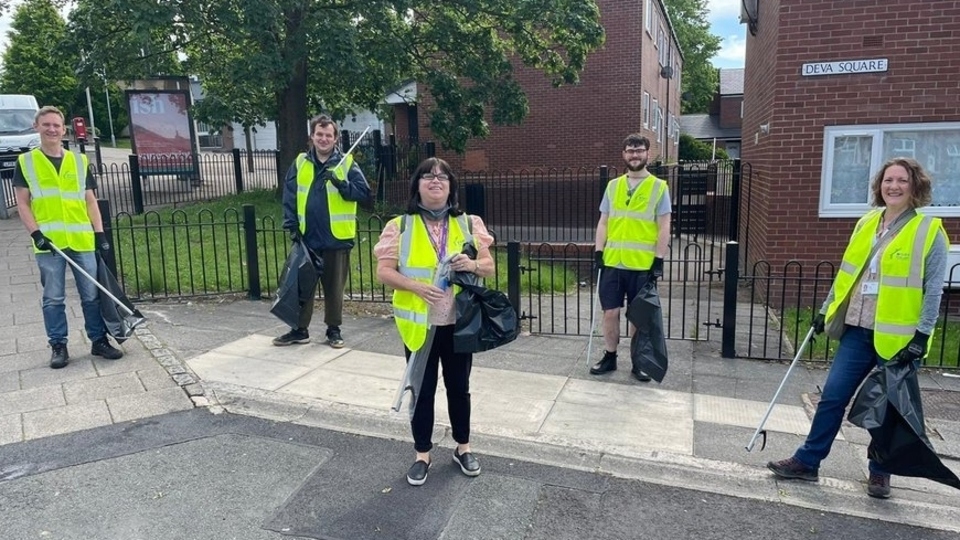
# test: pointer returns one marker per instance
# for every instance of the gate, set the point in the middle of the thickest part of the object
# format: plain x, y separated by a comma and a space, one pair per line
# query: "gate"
555, 288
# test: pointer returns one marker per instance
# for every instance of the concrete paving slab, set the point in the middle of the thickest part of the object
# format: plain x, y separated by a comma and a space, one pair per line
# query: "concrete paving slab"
215, 366
31, 399
102, 388
8, 347
342, 387
739, 412
500, 413
260, 346
666, 427
67, 419
365, 363
631, 397
516, 383
155, 378
11, 428
133, 407
134, 359
77, 369
9, 382
31, 343
18, 361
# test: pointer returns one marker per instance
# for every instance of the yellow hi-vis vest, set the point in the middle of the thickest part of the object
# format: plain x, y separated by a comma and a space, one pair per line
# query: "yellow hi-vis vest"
418, 260
343, 213
59, 200
901, 264
632, 225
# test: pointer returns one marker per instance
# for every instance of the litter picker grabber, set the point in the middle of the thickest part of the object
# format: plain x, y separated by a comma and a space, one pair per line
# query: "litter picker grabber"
593, 318
132, 318
760, 430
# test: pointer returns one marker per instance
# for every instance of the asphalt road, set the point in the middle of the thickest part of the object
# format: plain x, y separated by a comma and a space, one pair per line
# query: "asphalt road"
196, 475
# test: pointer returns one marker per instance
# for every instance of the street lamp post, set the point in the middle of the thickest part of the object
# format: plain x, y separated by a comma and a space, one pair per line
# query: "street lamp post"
667, 73
106, 91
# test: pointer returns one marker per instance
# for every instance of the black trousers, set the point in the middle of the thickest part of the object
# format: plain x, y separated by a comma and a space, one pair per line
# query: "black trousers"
336, 268
456, 379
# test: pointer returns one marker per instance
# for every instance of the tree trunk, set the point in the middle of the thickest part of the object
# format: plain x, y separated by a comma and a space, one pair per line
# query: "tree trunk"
292, 121
248, 139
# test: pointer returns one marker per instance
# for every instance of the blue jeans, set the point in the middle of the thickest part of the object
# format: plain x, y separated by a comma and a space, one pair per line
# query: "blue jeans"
855, 359
53, 277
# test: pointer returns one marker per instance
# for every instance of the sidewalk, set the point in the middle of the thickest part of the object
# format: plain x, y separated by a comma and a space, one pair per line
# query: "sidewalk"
532, 400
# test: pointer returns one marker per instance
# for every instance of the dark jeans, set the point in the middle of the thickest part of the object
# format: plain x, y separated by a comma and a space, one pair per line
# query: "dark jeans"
456, 379
336, 268
855, 359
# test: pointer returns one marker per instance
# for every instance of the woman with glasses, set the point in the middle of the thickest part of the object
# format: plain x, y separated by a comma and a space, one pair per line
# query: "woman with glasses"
410, 249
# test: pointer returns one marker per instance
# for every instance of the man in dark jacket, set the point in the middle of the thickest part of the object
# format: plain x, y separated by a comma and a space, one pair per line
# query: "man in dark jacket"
320, 206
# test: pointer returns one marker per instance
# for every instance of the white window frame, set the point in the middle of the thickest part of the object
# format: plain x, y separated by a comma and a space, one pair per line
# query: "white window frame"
876, 131
654, 106
659, 124
648, 16
645, 110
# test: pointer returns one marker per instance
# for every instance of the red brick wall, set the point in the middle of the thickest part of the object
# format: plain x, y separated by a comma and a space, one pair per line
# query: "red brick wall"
921, 85
730, 111
580, 125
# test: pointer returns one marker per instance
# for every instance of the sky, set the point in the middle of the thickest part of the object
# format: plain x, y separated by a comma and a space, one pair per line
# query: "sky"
724, 18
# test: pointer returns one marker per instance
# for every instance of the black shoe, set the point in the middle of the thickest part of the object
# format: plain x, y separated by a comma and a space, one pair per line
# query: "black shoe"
878, 486
296, 336
468, 464
640, 376
60, 357
333, 337
417, 474
102, 347
791, 468
607, 363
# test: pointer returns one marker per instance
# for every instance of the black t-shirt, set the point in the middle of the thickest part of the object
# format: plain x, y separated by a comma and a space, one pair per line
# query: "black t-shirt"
20, 181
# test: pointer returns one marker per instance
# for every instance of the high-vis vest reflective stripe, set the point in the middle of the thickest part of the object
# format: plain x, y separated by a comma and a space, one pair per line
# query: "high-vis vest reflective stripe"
418, 261
343, 213
901, 265
59, 200
632, 224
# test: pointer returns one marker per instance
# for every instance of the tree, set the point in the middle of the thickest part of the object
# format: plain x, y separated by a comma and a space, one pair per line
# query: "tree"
699, 46
263, 59
693, 150
36, 61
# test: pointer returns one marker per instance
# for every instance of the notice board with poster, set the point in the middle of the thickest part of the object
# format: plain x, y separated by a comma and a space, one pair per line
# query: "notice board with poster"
161, 132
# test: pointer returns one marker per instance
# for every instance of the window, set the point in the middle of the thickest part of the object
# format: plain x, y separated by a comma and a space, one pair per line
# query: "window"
653, 115
645, 110
659, 124
854, 154
648, 15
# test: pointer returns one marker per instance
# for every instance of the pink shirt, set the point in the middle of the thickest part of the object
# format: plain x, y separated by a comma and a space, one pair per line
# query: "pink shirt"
388, 247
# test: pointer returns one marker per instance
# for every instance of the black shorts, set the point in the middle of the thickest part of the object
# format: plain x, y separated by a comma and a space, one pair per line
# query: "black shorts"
619, 287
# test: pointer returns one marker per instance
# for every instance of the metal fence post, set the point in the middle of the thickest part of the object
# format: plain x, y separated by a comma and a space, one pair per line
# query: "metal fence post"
431, 149
280, 170
604, 178
109, 257
476, 202
98, 154
253, 257
731, 278
513, 275
237, 169
734, 232
136, 184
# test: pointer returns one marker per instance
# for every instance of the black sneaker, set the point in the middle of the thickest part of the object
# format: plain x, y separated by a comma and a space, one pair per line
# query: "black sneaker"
102, 347
878, 486
60, 357
468, 464
295, 336
417, 474
334, 339
607, 363
640, 375
791, 468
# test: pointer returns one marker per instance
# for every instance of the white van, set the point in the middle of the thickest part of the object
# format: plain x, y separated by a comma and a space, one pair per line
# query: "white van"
16, 127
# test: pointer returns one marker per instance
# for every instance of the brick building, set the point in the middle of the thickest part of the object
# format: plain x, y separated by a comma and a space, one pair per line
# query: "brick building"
831, 90
624, 88
721, 126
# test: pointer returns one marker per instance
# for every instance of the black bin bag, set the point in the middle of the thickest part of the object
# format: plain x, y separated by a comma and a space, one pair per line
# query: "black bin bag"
298, 284
648, 347
120, 321
485, 320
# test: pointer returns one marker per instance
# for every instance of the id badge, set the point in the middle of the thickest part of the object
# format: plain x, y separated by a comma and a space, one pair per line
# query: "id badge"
870, 287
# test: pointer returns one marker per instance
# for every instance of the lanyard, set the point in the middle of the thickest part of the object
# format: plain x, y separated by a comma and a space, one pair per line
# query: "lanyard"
439, 247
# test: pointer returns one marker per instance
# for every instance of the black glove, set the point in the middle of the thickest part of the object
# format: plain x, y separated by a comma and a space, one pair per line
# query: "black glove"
657, 269
914, 350
328, 176
819, 322
295, 235
101, 241
40, 241
598, 259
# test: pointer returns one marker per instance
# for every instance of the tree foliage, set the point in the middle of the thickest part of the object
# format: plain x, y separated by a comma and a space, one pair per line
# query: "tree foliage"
284, 58
694, 150
699, 46
36, 61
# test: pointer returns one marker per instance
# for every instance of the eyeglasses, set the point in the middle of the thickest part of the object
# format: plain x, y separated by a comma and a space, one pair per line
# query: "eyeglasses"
635, 151
430, 177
